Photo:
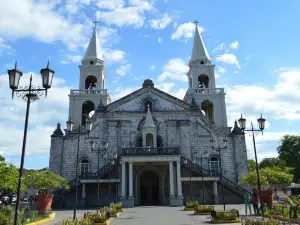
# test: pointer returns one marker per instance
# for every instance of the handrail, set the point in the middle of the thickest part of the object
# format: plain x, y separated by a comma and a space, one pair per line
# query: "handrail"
90, 175
222, 179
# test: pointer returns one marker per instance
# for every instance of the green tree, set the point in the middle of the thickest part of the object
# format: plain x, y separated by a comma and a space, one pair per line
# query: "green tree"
251, 165
8, 176
289, 151
272, 162
269, 177
43, 181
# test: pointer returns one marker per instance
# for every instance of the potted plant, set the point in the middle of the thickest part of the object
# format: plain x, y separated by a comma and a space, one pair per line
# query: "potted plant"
190, 206
203, 209
42, 182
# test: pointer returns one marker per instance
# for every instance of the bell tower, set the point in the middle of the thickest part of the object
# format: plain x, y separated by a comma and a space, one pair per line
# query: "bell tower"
92, 83
202, 84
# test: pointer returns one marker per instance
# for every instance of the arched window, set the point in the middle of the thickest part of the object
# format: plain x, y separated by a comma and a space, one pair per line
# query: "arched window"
203, 81
87, 107
149, 139
90, 82
84, 166
208, 107
214, 165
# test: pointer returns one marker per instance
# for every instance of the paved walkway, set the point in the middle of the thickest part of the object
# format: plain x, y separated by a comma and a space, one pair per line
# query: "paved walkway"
150, 215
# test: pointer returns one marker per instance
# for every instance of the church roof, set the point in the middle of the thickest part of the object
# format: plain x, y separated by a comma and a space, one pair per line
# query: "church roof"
199, 50
149, 120
94, 49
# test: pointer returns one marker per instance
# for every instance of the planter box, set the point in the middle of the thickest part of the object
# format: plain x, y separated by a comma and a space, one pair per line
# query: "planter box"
121, 210
107, 222
51, 217
201, 213
188, 209
225, 221
44, 202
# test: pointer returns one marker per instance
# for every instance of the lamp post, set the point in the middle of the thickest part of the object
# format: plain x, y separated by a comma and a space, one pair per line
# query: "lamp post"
261, 124
111, 157
28, 93
186, 162
99, 151
196, 157
88, 128
219, 148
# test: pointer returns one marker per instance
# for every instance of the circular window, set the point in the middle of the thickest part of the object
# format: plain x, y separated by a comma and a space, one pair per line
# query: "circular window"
202, 62
91, 62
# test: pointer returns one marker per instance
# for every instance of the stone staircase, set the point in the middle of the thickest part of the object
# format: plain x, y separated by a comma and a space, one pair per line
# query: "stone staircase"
104, 171
228, 183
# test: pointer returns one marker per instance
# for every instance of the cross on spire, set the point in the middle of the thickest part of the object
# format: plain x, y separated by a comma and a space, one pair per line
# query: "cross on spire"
95, 22
196, 23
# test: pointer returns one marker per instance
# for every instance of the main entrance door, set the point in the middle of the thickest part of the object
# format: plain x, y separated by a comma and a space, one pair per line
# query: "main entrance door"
149, 188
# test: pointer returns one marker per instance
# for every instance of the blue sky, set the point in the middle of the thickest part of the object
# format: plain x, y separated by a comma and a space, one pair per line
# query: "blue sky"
254, 44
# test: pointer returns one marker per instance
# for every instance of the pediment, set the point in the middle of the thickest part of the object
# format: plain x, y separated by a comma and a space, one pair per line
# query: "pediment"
136, 101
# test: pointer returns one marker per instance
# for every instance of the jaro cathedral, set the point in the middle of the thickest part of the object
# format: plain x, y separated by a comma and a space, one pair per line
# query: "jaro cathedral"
149, 147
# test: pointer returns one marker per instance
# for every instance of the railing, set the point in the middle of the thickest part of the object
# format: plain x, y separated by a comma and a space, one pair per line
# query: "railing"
138, 151
206, 90
208, 173
102, 172
72, 184
88, 92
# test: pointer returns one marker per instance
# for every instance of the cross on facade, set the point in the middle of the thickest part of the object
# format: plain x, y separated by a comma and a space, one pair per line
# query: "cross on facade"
196, 23
95, 22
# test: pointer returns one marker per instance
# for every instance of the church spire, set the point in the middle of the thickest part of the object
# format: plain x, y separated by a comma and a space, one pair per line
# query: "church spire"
199, 50
149, 120
93, 52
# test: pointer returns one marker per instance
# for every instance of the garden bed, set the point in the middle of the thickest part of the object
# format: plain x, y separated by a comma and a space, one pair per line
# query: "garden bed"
293, 220
229, 216
41, 219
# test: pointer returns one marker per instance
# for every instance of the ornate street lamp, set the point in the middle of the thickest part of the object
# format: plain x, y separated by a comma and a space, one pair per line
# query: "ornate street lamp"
261, 124
100, 149
28, 93
87, 129
219, 148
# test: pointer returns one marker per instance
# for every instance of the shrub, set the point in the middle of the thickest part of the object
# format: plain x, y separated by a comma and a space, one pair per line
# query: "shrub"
259, 221
204, 208
192, 204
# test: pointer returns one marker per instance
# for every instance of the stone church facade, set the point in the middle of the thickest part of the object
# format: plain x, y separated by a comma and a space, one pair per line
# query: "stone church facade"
159, 147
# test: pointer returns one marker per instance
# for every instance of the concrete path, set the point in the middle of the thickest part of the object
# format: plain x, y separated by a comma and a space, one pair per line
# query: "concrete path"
149, 215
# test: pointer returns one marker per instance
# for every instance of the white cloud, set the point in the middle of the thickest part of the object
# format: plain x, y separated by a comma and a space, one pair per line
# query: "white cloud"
44, 114
152, 67
120, 92
126, 16
159, 40
68, 58
124, 69
220, 48
221, 69
111, 55
234, 45
39, 20
161, 23
280, 101
228, 58
185, 30
5, 47
175, 69
110, 4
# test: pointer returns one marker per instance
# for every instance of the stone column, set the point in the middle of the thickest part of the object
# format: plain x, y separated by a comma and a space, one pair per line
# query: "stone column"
83, 195
123, 195
179, 188
171, 176
130, 193
215, 191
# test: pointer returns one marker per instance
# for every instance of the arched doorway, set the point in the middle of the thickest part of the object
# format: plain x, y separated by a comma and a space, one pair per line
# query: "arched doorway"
149, 188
